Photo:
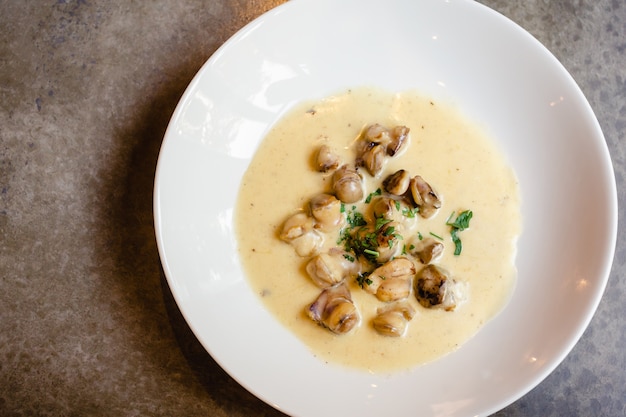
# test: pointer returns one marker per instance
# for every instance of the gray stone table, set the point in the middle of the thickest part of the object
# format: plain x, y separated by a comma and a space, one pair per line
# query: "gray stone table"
88, 326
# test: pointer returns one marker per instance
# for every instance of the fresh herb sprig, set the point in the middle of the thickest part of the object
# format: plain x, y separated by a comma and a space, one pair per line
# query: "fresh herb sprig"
372, 195
461, 223
409, 212
354, 218
363, 279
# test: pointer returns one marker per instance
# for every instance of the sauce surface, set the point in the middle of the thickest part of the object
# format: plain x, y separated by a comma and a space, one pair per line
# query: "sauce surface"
455, 156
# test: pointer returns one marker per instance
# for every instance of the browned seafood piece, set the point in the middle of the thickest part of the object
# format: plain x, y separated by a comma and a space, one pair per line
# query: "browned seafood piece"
326, 159
426, 250
394, 289
373, 159
435, 288
424, 197
389, 208
383, 208
396, 268
328, 269
326, 210
348, 185
299, 230
399, 139
376, 143
378, 134
393, 319
397, 183
334, 309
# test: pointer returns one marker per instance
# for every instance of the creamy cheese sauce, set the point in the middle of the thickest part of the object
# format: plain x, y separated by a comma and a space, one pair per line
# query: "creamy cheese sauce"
455, 156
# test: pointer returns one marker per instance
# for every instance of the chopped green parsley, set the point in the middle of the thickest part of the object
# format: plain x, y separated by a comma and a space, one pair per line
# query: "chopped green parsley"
458, 225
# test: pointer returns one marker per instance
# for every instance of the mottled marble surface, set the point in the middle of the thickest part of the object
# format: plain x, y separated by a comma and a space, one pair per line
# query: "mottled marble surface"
87, 323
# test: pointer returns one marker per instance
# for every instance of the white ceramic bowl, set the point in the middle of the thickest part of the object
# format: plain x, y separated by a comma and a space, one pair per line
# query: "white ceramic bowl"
457, 51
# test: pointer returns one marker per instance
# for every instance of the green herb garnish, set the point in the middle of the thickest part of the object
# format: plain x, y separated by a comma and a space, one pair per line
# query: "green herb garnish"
389, 231
436, 236
458, 225
362, 280
462, 221
373, 194
355, 219
380, 222
410, 212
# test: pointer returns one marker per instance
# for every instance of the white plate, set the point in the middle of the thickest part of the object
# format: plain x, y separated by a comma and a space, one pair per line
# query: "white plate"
457, 51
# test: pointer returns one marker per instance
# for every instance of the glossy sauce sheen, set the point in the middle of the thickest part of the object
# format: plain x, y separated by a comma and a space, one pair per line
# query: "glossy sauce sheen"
456, 157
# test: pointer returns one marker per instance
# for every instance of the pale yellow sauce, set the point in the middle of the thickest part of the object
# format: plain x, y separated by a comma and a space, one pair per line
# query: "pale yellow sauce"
452, 154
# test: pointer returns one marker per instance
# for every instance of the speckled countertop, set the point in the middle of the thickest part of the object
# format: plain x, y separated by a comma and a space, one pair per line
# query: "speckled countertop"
88, 326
